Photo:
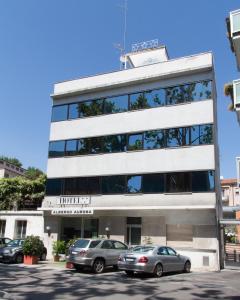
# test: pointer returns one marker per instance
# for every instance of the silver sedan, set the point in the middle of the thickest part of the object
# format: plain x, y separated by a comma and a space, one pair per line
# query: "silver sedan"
153, 259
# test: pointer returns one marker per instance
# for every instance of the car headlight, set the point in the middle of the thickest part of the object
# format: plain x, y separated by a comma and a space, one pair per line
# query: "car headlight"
6, 251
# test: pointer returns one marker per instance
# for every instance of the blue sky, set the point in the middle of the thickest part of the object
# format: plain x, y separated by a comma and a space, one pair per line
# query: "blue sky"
43, 42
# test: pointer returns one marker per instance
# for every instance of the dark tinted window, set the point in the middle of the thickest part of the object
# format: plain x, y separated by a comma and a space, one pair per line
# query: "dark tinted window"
83, 146
95, 145
138, 101
116, 104
71, 186
134, 220
135, 141
74, 111
71, 147
162, 251
178, 182
154, 139
203, 181
119, 246
54, 187
153, 183
56, 149
82, 185
114, 143
176, 137
94, 186
134, 184
93, 244
107, 245
91, 108
113, 185
59, 113
206, 134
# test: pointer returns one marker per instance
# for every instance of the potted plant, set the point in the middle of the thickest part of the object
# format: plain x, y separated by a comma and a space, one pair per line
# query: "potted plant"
32, 249
58, 247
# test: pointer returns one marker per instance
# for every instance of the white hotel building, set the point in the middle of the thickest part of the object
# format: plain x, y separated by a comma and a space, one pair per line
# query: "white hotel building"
134, 154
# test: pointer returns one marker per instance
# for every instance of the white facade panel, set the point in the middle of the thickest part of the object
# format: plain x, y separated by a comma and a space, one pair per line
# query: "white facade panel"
174, 67
154, 118
150, 161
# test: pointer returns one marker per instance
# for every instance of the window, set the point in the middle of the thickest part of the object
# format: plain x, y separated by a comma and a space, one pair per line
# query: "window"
176, 137
135, 141
20, 231
178, 182
114, 143
83, 146
116, 104
54, 187
95, 145
171, 251
81, 243
134, 220
176, 95
94, 186
71, 186
138, 101
59, 113
71, 147
206, 134
113, 185
2, 228
74, 111
107, 245
93, 244
203, 181
91, 108
154, 139
155, 98
162, 251
134, 184
153, 183
119, 246
56, 149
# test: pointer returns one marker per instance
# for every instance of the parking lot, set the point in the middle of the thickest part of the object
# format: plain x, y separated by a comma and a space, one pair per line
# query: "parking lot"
48, 281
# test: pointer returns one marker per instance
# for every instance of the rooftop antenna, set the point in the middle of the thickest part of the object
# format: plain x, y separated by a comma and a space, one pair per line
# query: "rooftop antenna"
120, 47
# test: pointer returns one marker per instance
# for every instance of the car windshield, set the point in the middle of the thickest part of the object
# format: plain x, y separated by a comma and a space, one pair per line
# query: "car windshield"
81, 243
142, 249
15, 243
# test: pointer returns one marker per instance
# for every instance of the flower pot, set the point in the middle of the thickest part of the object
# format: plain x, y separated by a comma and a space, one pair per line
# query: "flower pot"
56, 258
69, 265
30, 260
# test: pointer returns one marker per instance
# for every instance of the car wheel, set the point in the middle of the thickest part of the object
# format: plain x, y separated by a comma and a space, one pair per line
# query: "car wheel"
187, 267
19, 258
78, 267
158, 271
43, 256
129, 273
98, 266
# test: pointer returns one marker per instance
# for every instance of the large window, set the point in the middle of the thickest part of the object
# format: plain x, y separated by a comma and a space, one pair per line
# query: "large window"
178, 182
59, 113
56, 149
195, 91
135, 141
114, 143
2, 228
71, 147
154, 139
20, 229
176, 137
113, 185
116, 104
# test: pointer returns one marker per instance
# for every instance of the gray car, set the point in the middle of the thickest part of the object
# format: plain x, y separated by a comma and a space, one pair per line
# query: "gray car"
153, 259
96, 253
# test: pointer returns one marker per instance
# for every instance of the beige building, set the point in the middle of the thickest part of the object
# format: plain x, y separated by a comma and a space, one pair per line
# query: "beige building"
8, 170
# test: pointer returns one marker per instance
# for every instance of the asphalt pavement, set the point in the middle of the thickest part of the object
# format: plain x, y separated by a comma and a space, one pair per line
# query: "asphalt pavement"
53, 281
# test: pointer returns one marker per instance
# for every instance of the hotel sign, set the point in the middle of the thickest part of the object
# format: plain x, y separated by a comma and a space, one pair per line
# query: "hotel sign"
73, 200
72, 211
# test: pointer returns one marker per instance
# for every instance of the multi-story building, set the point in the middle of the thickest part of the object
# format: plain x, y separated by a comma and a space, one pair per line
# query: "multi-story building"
134, 154
8, 170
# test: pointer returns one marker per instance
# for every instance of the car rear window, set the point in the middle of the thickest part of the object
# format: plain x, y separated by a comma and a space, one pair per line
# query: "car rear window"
93, 244
14, 243
81, 243
142, 249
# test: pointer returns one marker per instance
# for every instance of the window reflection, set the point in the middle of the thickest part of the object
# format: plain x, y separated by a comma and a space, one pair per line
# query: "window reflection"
59, 113
206, 134
138, 101
116, 104
113, 184
154, 139
114, 143
134, 184
135, 142
178, 182
74, 111
176, 137
71, 147
56, 149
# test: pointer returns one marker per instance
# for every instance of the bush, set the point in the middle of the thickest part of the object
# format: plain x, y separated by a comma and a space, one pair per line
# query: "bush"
33, 246
59, 247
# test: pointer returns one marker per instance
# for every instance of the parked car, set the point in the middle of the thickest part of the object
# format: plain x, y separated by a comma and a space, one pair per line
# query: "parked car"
4, 241
153, 259
13, 252
95, 253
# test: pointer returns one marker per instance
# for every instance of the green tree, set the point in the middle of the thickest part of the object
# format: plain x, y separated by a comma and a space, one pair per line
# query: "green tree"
11, 160
33, 173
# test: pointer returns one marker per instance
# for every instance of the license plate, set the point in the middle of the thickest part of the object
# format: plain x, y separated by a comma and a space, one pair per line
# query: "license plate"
130, 259
74, 252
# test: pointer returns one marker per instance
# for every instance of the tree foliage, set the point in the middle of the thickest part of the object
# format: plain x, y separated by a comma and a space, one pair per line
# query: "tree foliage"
15, 192
33, 173
11, 160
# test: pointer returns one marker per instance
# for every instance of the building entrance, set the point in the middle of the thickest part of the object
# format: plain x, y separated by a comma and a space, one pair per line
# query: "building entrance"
80, 227
134, 231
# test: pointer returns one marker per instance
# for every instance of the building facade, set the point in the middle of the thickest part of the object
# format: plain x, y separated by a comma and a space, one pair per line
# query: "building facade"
8, 170
134, 154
